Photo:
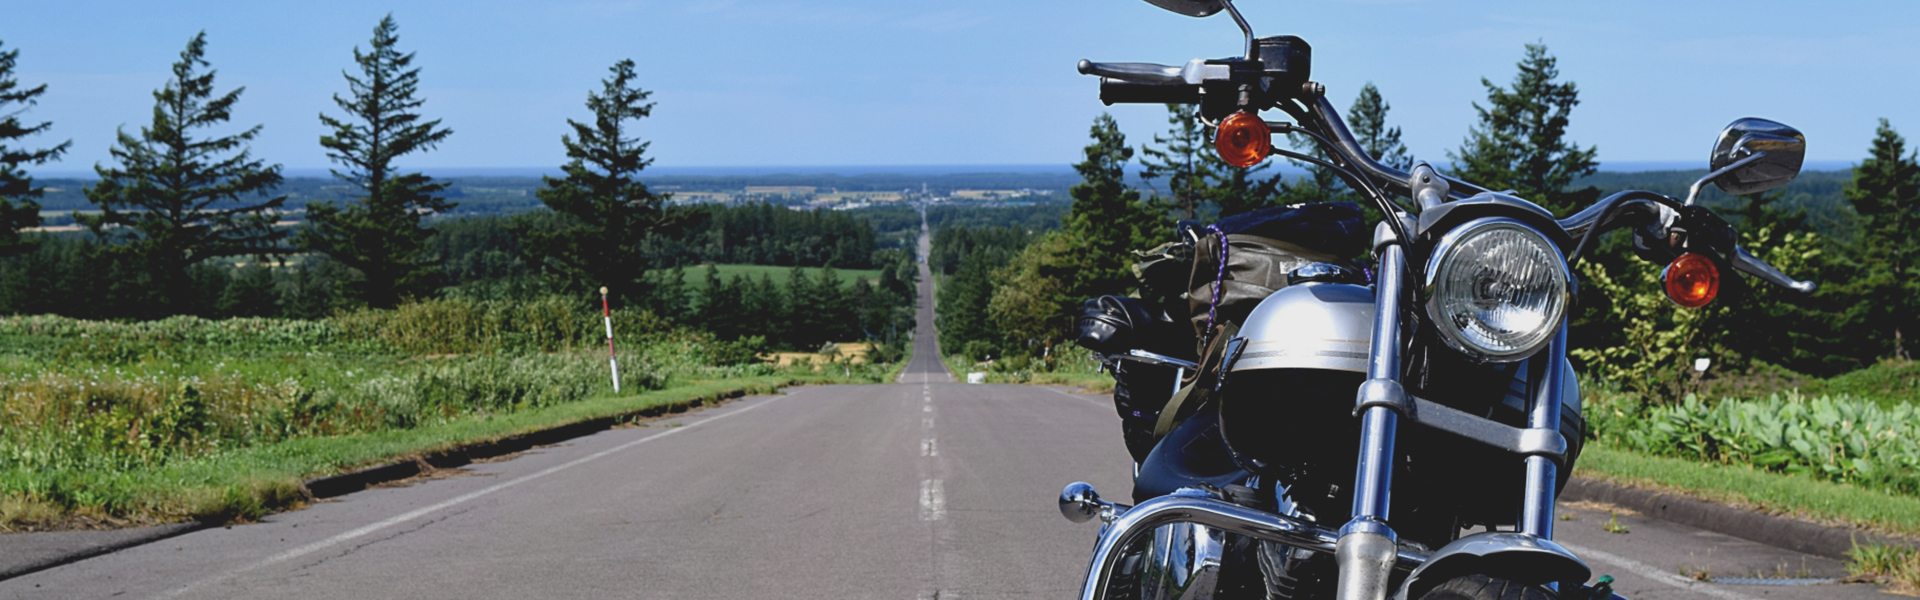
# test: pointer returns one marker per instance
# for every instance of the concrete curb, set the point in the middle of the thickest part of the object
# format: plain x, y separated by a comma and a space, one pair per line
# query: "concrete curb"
33, 552
1779, 532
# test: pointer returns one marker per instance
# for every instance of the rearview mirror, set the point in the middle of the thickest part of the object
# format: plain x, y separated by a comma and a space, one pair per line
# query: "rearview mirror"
1763, 155
1191, 8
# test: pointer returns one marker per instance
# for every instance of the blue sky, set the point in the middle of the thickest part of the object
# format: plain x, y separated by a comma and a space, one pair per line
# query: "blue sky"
751, 83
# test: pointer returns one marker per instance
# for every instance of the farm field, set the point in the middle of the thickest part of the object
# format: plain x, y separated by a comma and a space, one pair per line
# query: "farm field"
696, 275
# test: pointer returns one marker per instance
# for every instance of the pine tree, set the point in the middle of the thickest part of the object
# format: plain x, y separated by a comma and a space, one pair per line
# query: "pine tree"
1885, 192
193, 198
608, 214
18, 208
1520, 143
1182, 159
1107, 220
1368, 120
381, 235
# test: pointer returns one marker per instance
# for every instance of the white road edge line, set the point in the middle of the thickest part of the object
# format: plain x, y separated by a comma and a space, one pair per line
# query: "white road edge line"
1650, 572
449, 503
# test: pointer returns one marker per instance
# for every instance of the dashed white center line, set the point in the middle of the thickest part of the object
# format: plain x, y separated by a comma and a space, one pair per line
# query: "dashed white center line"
933, 500
927, 408
928, 448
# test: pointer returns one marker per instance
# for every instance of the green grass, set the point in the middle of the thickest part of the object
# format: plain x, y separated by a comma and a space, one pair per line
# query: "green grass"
1073, 371
696, 276
1747, 487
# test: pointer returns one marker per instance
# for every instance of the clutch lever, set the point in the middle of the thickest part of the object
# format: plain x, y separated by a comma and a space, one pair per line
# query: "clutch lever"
1195, 72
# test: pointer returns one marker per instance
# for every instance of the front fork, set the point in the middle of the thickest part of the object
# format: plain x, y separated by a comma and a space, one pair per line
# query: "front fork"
1368, 547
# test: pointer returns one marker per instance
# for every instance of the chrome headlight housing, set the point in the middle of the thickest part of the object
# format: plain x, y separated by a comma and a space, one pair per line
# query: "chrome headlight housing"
1497, 289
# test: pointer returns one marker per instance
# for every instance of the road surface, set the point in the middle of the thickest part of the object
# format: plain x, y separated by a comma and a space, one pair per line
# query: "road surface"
924, 488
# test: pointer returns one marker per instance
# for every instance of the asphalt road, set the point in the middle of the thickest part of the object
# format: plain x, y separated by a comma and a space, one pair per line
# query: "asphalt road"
920, 489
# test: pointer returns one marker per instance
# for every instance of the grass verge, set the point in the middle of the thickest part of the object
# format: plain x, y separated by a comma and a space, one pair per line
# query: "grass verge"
1896, 566
1087, 381
246, 484
1802, 497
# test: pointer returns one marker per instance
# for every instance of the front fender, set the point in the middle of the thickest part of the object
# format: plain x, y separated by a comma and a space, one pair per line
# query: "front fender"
1508, 555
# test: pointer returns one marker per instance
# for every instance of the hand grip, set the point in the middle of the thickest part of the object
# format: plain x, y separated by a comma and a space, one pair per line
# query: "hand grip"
1123, 92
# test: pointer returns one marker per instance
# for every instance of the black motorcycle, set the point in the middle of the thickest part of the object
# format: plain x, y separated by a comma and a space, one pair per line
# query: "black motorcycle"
1265, 453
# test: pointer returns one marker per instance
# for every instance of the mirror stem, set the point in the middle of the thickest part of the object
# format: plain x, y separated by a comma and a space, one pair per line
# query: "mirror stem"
1253, 49
1693, 193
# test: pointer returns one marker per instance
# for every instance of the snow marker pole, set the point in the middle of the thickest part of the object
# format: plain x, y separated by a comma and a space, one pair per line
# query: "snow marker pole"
606, 314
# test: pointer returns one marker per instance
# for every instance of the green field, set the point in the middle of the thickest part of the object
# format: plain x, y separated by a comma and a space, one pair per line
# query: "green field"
696, 276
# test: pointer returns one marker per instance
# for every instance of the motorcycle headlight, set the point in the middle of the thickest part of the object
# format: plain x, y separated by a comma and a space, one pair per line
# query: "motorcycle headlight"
1497, 289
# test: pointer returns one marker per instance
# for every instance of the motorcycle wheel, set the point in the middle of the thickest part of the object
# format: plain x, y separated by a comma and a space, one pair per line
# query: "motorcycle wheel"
1482, 587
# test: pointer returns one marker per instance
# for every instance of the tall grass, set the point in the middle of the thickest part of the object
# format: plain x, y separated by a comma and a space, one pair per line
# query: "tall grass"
1838, 438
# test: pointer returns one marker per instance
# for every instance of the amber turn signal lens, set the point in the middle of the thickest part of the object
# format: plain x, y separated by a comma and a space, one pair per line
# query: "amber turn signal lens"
1243, 140
1692, 280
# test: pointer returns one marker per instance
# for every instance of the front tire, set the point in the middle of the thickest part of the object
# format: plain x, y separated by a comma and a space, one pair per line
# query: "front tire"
1482, 587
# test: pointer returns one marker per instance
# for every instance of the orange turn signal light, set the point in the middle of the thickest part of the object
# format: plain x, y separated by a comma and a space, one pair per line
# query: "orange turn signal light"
1243, 140
1692, 280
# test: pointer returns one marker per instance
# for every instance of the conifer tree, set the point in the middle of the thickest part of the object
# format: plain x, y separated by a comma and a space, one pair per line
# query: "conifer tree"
1885, 192
607, 214
1368, 120
1182, 159
1107, 219
380, 235
192, 198
18, 206
1520, 143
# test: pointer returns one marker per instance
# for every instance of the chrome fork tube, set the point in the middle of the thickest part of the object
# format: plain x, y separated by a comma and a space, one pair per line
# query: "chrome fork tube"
1537, 512
1365, 553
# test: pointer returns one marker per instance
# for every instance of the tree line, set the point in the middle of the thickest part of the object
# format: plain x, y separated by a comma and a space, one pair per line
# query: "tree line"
179, 208
1016, 291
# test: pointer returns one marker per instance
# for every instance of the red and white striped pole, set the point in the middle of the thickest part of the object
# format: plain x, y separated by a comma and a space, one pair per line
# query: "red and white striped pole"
606, 314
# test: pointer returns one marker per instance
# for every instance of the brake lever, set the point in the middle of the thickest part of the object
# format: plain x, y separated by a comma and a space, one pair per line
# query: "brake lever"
1747, 263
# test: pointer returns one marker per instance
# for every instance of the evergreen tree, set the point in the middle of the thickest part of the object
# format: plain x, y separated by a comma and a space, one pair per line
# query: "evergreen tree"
250, 293
18, 208
1368, 119
193, 198
1520, 143
1182, 159
1885, 192
381, 235
1107, 221
608, 214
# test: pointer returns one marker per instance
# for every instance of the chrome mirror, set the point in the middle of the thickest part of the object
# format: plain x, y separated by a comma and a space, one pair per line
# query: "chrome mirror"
1757, 155
1191, 8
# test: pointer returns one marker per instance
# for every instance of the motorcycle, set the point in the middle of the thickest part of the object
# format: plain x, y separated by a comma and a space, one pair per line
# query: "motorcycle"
1278, 481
